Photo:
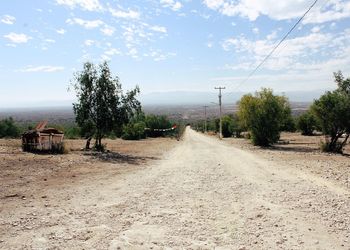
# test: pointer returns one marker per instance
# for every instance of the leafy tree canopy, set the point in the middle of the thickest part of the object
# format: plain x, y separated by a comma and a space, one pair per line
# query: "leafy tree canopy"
101, 106
332, 111
263, 115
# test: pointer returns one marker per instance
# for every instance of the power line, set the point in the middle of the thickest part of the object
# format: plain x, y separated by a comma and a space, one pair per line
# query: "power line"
273, 50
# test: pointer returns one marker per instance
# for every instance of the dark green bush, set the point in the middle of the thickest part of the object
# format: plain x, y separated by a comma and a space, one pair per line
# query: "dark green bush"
307, 123
263, 115
9, 129
134, 131
154, 123
227, 126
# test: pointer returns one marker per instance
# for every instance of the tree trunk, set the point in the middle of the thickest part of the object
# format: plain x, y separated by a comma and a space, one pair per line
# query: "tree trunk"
87, 145
345, 140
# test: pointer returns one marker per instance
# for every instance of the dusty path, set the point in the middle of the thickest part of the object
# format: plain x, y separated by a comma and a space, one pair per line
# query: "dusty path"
204, 194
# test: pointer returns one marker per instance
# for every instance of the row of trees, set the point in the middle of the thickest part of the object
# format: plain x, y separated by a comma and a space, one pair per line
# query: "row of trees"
264, 115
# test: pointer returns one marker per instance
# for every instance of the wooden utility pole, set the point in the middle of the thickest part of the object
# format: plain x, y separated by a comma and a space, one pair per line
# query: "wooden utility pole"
205, 118
220, 95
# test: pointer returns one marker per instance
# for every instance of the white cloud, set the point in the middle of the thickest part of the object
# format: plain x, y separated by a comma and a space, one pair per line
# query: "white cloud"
61, 31
89, 42
256, 31
7, 19
174, 5
107, 55
214, 4
49, 40
42, 69
272, 35
130, 14
89, 5
133, 53
112, 52
17, 38
316, 29
108, 30
85, 23
332, 11
281, 10
159, 29
315, 51
158, 55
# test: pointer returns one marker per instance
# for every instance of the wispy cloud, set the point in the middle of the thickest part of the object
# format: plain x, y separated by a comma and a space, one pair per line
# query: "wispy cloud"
297, 53
88, 24
89, 5
289, 9
129, 14
108, 30
17, 38
89, 42
48, 69
61, 31
7, 19
159, 29
174, 5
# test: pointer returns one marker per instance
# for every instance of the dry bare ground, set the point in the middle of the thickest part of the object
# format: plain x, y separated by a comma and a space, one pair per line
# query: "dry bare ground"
200, 193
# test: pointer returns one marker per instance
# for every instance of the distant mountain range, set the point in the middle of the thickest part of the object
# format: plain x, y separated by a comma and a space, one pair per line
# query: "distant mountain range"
192, 97
176, 98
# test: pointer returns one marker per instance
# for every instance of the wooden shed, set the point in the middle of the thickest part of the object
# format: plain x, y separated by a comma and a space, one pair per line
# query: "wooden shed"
42, 139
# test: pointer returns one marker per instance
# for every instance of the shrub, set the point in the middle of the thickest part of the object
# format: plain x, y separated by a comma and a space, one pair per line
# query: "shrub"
134, 131
9, 129
288, 122
327, 147
263, 116
307, 123
154, 122
227, 126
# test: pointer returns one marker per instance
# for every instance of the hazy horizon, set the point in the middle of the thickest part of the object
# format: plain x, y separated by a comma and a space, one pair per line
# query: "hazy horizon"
173, 98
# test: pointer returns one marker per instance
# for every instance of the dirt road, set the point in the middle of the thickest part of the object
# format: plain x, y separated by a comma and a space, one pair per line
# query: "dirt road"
203, 194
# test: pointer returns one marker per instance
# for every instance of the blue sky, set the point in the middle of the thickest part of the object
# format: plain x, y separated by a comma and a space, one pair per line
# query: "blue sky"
167, 45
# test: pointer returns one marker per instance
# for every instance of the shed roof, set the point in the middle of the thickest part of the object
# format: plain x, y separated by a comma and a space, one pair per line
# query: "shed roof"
40, 128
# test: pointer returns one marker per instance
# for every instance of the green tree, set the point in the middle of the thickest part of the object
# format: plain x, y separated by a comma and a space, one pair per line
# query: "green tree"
135, 129
8, 128
307, 123
227, 126
332, 110
102, 108
288, 123
263, 116
237, 128
154, 122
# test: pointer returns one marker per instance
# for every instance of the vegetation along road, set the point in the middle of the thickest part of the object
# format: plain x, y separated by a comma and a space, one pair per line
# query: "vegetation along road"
202, 194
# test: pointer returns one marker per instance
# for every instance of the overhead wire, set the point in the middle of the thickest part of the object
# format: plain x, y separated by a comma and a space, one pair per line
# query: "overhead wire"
276, 46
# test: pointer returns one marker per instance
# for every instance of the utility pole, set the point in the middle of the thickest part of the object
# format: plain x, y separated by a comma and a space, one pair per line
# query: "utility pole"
205, 118
220, 95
